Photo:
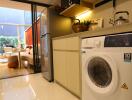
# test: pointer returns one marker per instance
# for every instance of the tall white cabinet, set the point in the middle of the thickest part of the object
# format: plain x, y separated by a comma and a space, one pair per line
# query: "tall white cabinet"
66, 60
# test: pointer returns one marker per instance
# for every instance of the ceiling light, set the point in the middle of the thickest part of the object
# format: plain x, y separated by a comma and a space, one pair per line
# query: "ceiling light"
84, 15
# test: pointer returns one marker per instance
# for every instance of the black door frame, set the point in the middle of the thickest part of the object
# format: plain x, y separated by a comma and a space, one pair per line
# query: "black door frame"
36, 58
36, 61
33, 2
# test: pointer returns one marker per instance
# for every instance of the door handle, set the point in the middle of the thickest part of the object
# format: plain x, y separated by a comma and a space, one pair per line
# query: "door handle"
83, 51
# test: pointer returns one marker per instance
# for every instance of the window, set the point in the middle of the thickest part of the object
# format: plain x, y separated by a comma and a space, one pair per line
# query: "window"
13, 23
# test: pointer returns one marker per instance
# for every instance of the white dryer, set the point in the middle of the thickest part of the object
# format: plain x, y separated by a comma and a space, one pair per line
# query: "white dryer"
107, 67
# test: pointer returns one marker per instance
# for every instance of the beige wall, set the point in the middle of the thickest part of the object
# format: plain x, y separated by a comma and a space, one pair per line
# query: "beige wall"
59, 25
106, 11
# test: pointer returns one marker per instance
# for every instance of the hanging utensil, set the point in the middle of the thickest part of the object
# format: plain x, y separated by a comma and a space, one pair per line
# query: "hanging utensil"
120, 20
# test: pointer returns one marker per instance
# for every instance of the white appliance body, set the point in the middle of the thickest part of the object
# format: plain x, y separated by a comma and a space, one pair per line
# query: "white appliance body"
107, 67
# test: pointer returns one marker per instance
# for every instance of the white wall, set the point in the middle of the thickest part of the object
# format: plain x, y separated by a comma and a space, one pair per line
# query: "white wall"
106, 11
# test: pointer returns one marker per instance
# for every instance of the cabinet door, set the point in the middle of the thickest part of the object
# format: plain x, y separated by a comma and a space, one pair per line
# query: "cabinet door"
71, 43
59, 44
73, 73
59, 61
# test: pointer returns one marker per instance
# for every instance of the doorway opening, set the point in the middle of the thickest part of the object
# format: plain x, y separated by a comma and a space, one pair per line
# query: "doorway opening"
19, 39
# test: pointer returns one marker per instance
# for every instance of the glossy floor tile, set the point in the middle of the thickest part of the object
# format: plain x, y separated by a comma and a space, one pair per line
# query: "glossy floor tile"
6, 72
32, 87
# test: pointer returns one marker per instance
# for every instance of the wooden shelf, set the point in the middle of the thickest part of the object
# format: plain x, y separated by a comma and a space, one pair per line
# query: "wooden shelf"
76, 9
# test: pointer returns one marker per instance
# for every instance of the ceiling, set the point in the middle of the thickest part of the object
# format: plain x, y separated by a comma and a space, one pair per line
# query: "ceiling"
51, 2
17, 5
58, 1
42, 1
55, 1
24, 6
91, 1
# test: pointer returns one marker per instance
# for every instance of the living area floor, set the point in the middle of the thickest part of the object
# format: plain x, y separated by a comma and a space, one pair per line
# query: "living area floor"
32, 87
6, 72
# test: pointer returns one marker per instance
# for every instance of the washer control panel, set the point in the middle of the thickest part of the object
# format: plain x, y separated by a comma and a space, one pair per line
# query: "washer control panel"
120, 40
95, 42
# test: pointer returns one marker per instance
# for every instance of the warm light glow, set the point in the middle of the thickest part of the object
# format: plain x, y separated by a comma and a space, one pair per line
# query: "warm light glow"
27, 78
43, 14
84, 15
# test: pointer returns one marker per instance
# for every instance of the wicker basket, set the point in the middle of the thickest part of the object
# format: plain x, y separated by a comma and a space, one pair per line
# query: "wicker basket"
79, 28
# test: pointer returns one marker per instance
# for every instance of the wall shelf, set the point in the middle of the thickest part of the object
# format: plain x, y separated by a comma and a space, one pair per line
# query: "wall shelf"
76, 9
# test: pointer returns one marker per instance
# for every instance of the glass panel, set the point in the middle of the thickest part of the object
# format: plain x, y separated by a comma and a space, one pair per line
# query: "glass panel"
27, 16
8, 15
8, 30
12, 34
8, 36
13, 23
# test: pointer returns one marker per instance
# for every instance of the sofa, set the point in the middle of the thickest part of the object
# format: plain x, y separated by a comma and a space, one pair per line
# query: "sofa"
28, 56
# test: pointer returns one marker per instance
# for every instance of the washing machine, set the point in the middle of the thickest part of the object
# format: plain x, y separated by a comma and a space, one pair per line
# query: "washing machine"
107, 67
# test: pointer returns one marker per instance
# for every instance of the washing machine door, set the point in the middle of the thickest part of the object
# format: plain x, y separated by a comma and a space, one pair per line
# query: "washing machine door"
101, 74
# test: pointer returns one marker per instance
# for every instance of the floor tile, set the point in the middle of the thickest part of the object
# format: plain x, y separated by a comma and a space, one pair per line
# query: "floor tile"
6, 72
32, 87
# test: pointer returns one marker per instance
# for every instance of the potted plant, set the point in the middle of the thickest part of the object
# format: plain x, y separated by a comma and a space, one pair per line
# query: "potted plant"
81, 26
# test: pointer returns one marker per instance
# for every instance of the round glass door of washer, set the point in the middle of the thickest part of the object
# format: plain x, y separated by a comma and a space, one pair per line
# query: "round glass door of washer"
101, 75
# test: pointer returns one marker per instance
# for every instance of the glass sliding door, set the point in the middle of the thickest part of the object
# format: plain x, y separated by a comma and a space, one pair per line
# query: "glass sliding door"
13, 52
36, 9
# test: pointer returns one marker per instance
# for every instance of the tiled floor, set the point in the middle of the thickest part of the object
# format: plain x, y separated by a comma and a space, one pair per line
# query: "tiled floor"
32, 87
6, 72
